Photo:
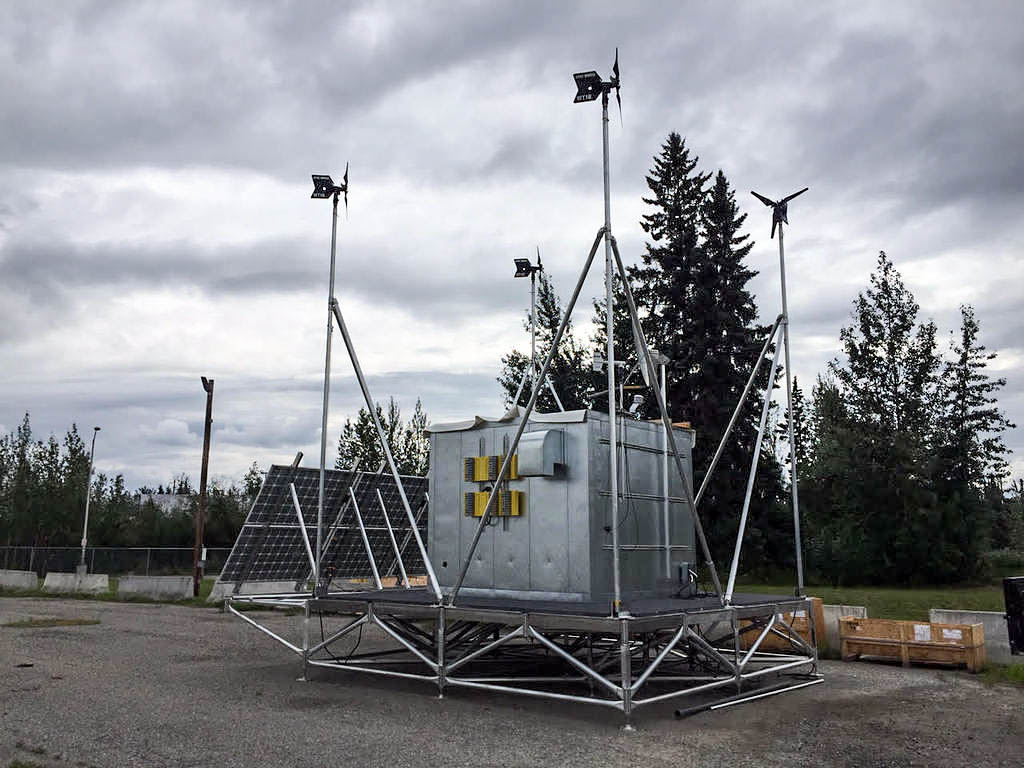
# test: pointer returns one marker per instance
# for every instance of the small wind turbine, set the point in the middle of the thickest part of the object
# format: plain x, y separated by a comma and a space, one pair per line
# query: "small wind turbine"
780, 210
525, 269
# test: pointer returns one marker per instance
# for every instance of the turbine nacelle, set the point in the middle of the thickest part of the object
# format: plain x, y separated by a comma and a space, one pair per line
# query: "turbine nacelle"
780, 209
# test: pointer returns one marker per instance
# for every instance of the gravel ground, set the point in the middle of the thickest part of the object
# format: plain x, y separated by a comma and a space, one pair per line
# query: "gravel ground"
161, 685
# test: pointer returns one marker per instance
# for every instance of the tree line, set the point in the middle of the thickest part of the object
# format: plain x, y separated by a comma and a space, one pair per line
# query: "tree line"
43, 487
42, 500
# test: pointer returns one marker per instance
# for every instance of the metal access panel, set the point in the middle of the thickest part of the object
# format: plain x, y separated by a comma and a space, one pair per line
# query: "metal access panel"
1013, 594
559, 545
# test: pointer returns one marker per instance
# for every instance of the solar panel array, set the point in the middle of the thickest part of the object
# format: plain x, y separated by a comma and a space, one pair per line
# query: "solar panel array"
270, 548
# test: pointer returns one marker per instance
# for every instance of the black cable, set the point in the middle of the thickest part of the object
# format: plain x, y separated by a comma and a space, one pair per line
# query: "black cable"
359, 639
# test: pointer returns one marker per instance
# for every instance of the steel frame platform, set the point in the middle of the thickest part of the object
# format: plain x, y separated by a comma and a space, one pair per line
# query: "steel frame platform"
659, 649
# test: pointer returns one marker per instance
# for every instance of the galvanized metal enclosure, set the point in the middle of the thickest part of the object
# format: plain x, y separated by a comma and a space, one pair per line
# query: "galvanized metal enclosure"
553, 541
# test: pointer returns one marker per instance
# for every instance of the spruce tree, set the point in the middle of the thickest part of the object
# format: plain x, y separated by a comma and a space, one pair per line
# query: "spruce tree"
973, 449
666, 282
695, 307
889, 385
727, 343
971, 457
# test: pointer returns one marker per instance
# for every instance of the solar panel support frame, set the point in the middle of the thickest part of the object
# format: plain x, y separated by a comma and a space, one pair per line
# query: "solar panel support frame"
391, 535
366, 541
302, 524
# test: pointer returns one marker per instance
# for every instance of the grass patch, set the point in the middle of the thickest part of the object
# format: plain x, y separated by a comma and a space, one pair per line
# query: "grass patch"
898, 603
1011, 674
51, 622
23, 764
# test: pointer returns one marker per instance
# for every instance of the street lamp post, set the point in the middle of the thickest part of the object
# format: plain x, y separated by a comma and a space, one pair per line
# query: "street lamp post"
82, 569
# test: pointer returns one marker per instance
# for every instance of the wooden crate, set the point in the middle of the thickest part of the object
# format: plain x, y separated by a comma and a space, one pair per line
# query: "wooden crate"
392, 581
913, 641
799, 621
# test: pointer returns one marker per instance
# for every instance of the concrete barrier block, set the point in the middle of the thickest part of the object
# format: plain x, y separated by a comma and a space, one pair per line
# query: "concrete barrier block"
222, 589
832, 616
92, 583
997, 637
156, 587
19, 579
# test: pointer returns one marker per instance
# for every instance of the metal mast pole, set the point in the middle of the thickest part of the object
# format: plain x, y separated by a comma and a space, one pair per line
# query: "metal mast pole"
664, 478
533, 328
327, 392
789, 404
88, 489
201, 515
609, 280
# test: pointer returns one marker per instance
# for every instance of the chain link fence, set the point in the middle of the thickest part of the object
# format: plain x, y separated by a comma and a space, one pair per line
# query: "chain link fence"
140, 561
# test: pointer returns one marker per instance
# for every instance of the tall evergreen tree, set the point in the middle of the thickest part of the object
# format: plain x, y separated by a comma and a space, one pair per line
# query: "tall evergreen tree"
970, 465
889, 385
695, 306
666, 282
728, 343
973, 448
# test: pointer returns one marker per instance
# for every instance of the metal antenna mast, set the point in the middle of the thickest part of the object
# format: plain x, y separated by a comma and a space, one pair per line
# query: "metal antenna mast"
779, 217
323, 188
525, 269
588, 86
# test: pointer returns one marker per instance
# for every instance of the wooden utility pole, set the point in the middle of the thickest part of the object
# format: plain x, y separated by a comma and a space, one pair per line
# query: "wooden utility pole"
197, 554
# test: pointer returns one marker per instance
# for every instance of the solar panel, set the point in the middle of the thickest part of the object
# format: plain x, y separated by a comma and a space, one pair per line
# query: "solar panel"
270, 548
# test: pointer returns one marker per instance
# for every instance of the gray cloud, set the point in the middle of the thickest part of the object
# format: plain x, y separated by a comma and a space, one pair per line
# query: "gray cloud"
904, 120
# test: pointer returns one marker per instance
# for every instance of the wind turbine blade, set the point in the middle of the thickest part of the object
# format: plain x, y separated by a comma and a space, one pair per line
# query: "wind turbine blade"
619, 100
795, 194
538, 258
774, 222
763, 199
615, 66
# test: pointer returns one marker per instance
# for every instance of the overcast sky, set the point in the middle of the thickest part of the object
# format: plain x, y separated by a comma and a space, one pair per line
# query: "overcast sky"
156, 225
